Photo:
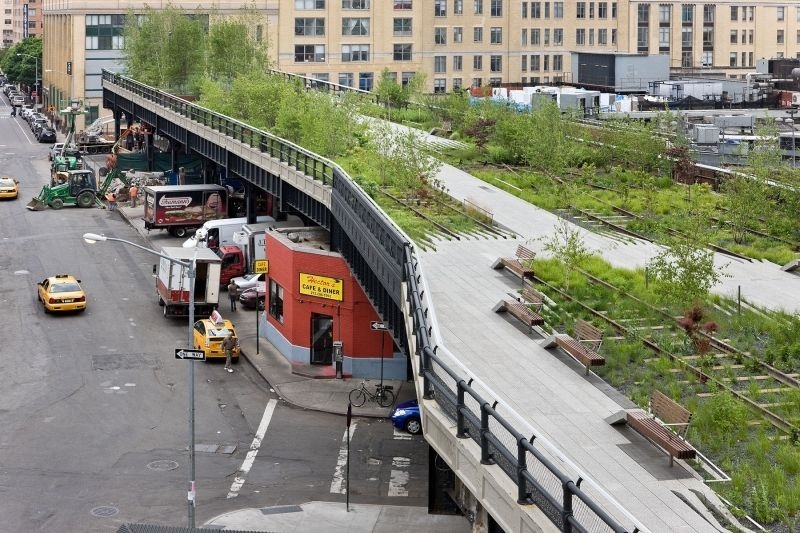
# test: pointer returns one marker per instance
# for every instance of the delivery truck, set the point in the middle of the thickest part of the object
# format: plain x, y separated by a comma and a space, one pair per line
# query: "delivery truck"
172, 281
248, 245
216, 233
180, 209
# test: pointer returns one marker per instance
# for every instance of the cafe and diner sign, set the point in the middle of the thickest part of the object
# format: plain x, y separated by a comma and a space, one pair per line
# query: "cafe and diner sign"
321, 286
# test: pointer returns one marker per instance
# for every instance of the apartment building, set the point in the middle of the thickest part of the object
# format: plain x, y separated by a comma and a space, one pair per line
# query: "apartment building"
21, 19
456, 43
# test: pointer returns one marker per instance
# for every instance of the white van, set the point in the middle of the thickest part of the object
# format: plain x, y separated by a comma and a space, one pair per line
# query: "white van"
215, 233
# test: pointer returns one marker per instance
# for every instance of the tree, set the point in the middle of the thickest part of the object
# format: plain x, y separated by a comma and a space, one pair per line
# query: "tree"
402, 161
19, 61
166, 47
567, 247
236, 45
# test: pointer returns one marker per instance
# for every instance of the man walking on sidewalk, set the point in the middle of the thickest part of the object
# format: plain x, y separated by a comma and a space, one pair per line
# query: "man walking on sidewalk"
228, 344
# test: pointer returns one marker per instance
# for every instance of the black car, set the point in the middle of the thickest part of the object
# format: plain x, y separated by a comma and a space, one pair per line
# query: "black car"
47, 135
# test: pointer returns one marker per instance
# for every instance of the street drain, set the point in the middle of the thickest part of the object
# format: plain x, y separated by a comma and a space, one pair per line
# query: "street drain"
104, 511
162, 465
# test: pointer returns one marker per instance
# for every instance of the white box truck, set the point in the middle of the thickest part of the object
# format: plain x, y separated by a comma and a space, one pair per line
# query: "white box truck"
172, 281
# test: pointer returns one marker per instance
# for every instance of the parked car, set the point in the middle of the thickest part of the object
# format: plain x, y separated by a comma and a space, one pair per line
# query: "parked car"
208, 336
254, 296
248, 281
17, 100
54, 150
47, 135
33, 116
406, 416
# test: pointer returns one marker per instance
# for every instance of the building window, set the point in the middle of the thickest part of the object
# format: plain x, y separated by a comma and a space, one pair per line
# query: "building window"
797, 14
477, 82
558, 10
750, 37
613, 10
496, 35
536, 10
580, 36
346, 79
708, 59
734, 13
440, 35
734, 36
458, 7
779, 37
309, 4
750, 12
643, 16
591, 37
402, 52
440, 64
355, 52
602, 37
686, 37
355, 26
798, 37
402, 27
591, 10
687, 14
496, 9
275, 301
439, 86
496, 63
614, 37
708, 14
524, 63
558, 62
477, 62
312, 53
558, 36
402, 5
309, 26
355, 4
458, 63
535, 33
477, 7
103, 32
664, 13
547, 36
708, 36
733, 59
535, 63
406, 77
642, 38
580, 8
365, 80
495, 82
477, 34
458, 34
440, 8
686, 60
456, 84
547, 10
781, 12
602, 10
545, 62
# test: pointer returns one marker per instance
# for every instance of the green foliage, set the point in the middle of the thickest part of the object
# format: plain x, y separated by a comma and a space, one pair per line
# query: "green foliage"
233, 45
720, 418
19, 61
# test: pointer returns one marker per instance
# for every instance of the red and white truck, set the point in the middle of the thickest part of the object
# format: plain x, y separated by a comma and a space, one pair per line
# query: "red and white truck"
172, 281
183, 208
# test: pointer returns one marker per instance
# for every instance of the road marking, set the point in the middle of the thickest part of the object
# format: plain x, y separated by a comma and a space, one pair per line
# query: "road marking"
400, 434
338, 484
254, 446
398, 479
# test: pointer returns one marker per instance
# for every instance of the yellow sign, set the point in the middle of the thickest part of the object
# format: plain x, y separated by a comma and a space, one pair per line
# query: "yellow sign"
321, 286
261, 266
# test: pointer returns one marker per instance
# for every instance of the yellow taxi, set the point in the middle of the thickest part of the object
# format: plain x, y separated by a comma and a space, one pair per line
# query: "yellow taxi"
209, 334
61, 292
9, 188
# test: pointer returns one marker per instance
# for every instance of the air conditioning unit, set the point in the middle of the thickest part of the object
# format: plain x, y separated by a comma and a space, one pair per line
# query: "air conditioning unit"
796, 99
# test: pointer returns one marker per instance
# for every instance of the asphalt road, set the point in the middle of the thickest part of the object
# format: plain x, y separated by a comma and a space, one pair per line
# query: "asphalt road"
94, 425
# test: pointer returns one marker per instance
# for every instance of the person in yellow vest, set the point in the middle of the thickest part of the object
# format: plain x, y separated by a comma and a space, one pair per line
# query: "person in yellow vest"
134, 192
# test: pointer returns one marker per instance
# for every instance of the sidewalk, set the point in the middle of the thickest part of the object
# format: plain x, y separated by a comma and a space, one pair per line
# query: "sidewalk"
310, 387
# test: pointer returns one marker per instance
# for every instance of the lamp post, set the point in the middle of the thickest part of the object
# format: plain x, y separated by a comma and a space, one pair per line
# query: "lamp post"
36, 81
92, 238
382, 327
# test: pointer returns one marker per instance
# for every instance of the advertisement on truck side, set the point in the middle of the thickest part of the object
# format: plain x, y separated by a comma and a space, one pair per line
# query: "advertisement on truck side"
185, 207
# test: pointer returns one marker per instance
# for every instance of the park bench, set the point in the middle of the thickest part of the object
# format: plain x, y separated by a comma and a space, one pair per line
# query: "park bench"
520, 265
665, 426
584, 346
532, 297
521, 312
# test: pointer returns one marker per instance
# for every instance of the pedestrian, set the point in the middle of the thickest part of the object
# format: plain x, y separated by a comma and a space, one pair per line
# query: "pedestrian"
233, 294
134, 193
112, 201
228, 344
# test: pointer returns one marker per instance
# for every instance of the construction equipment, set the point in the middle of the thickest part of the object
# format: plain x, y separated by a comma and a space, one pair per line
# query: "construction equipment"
79, 188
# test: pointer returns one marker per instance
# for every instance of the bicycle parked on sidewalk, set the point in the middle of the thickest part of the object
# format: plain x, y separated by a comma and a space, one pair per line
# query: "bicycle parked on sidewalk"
383, 395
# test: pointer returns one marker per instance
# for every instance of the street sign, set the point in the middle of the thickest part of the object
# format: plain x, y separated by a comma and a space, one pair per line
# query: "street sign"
261, 266
195, 355
378, 326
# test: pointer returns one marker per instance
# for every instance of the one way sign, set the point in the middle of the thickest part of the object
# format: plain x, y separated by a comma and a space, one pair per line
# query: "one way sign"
378, 326
196, 355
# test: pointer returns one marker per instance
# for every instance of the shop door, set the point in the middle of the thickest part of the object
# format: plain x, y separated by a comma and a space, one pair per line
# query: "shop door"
321, 339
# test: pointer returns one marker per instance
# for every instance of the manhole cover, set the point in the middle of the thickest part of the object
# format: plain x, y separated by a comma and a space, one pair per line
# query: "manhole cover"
105, 511
162, 465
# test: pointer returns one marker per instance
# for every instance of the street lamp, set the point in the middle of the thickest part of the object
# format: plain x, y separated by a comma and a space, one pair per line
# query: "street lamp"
36, 81
92, 238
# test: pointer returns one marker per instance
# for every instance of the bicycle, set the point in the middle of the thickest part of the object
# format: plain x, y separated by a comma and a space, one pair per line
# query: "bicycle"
383, 395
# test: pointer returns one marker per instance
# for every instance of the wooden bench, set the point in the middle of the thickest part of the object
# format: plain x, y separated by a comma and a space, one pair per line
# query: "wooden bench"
519, 265
521, 312
532, 297
665, 426
585, 344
